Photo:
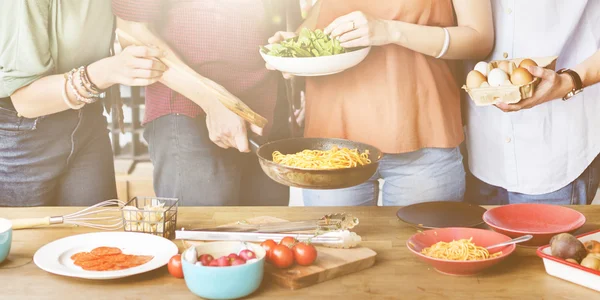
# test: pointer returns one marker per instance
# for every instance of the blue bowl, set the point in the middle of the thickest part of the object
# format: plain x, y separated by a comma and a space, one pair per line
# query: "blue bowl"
224, 282
5, 238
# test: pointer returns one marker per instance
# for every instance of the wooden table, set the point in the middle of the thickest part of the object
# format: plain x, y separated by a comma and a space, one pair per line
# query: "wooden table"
397, 274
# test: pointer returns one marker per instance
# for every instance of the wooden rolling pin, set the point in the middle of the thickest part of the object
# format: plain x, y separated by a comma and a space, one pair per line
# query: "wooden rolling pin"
192, 78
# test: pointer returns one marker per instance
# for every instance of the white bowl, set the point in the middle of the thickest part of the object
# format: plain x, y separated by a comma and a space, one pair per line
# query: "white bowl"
316, 66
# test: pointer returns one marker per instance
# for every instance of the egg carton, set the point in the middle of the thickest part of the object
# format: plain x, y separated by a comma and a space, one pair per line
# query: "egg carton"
152, 215
484, 96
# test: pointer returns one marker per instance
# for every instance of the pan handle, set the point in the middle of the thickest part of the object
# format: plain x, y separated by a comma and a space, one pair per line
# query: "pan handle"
254, 141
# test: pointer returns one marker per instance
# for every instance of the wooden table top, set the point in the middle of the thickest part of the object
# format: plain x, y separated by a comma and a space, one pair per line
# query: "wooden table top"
397, 273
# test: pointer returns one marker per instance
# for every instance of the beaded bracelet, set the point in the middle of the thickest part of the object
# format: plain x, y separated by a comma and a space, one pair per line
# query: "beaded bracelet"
66, 98
78, 96
88, 86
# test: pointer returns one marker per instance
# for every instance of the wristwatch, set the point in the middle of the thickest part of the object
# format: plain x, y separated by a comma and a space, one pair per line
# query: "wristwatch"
577, 84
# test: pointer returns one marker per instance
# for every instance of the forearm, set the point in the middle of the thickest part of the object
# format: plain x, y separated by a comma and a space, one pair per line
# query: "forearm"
589, 70
182, 78
465, 42
45, 95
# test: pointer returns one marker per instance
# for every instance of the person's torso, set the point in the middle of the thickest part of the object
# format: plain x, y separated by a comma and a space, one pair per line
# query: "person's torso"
80, 32
541, 149
219, 39
396, 99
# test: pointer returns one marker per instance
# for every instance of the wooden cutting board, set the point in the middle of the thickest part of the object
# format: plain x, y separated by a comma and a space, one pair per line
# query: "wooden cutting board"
331, 263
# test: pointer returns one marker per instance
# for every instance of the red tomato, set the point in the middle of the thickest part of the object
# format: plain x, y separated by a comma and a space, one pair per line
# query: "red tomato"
305, 254
288, 241
247, 254
233, 256
268, 245
174, 266
282, 256
213, 263
238, 261
223, 261
205, 259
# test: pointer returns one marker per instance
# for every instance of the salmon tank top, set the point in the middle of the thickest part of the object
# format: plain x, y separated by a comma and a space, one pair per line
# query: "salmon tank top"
396, 99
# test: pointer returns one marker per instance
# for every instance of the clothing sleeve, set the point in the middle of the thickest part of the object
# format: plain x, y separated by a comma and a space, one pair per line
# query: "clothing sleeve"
143, 11
25, 44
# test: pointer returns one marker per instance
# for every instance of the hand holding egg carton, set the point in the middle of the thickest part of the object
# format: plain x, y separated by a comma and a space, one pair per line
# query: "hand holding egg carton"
506, 81
156, 216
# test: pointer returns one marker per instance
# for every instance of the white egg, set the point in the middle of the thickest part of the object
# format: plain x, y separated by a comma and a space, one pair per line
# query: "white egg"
497, 77
482, 67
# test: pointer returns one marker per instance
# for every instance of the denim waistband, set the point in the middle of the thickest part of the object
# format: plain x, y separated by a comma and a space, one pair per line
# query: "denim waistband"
7, 104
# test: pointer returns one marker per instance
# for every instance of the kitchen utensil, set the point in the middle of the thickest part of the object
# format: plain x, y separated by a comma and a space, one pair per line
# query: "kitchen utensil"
480, 237
336, 221
314, 179
151, 215
568, 271
316, 66
226, 282
542, 221
99, 216
441, 214
524, 238
336, 239
192, 79
55, 257
5, 238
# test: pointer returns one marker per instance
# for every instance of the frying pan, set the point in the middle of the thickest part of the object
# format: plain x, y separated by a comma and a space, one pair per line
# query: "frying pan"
309, 178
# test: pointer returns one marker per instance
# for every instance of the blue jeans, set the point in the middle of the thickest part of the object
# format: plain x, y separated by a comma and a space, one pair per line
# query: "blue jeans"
430, 174
579, 192
63, 159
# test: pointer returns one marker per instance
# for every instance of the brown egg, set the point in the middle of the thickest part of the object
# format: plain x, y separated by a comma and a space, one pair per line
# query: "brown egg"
504, 66
475, 79
520, 76
527, 62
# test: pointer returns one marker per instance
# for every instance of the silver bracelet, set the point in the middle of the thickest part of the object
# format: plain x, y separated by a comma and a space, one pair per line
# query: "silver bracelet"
66, 97
446, 43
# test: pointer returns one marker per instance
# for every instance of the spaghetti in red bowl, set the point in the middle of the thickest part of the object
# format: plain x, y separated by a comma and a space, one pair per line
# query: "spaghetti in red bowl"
459, 251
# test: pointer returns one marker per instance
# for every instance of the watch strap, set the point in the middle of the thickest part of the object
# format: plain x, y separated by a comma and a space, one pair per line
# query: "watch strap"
577, 83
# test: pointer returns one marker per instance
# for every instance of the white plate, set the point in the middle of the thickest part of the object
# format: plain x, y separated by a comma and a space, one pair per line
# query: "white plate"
316, 66
55, 257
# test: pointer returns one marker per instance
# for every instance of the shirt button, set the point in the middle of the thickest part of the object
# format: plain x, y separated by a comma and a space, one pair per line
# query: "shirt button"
505, 54
508, 140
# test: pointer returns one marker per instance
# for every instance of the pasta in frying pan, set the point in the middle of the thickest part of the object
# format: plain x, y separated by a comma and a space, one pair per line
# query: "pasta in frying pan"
334, 158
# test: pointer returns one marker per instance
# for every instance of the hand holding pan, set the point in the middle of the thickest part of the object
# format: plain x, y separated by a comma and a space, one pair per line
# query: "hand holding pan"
310, 178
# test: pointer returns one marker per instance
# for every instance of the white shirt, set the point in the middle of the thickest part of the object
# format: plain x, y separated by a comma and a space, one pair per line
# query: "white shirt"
542, 149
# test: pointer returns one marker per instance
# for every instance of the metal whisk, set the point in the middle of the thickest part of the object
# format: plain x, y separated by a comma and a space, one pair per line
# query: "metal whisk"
88, 217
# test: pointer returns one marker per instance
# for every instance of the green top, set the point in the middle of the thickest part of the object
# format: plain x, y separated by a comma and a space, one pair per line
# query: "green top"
45, 37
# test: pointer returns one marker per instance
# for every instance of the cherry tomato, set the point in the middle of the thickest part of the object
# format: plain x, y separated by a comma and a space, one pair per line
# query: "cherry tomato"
205, 259
305, 254
213, 263
238, 261
174, 266
233, 256
268, 245
223, 261
247, 254
288, 241
282, 256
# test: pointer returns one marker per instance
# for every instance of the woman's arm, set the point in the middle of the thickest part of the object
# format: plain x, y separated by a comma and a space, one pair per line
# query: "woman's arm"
472, 38
589, 70
134, 66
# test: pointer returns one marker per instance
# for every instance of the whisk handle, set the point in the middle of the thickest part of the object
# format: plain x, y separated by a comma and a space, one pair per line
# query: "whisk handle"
30, 223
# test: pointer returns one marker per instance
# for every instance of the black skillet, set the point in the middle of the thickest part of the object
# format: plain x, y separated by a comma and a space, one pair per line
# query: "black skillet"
314, 179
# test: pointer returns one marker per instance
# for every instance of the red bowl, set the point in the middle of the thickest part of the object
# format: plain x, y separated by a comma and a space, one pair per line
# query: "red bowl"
481, 237
542, 221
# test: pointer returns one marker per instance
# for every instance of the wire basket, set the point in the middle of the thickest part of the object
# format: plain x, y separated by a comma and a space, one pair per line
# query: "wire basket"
157, 216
